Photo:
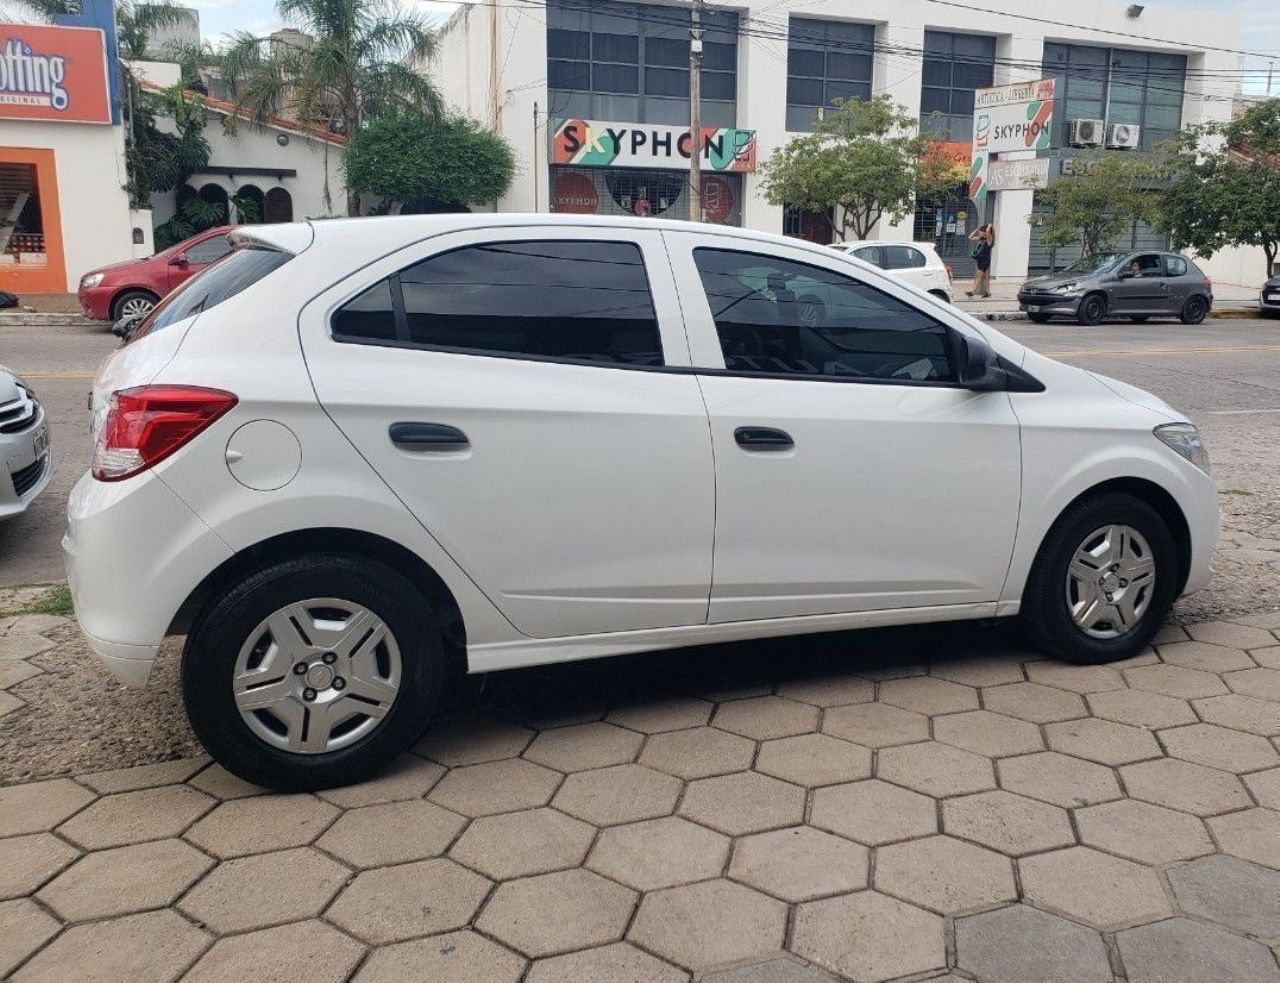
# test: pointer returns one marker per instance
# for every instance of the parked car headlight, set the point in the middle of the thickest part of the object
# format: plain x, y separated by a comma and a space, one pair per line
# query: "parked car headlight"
90, 280
1185, 439
1065, 288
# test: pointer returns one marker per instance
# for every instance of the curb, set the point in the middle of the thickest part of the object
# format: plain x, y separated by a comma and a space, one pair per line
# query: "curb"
33, 319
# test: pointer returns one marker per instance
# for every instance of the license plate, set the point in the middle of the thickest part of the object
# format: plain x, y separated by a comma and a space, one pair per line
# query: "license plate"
42, 442
1032, 309
1273, 298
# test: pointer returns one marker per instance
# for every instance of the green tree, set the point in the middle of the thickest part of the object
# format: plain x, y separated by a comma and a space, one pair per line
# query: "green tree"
160, 161
864, 160
427, 166
1099, 201
356, 66
1226, 185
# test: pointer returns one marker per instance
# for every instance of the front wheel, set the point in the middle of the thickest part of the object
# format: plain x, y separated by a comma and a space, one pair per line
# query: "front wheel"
313, 672
1103, 582
133, 304
1195, 310
1092, 310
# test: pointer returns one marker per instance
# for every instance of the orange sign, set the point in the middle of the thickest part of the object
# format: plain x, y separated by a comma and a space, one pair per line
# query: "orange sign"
53, 73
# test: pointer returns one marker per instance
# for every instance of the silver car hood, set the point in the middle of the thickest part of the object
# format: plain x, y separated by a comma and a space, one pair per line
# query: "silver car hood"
8, 385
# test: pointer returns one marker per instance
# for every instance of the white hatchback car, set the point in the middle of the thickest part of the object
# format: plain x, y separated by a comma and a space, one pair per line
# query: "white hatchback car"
355, 454
24, 446
918, 263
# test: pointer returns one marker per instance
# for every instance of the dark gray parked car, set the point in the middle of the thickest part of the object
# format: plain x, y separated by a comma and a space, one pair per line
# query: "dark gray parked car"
1137, 285
1269, 299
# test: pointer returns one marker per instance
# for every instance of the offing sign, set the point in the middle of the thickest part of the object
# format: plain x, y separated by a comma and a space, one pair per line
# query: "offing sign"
588, 143
53, 73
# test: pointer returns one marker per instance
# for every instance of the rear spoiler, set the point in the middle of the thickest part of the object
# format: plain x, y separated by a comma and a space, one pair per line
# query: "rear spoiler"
289, 237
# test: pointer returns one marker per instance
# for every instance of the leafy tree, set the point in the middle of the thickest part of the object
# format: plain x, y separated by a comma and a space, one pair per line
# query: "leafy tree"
428, 167
194, 215
1099, 201
1226, 185
356, 66
865, 159
160, 161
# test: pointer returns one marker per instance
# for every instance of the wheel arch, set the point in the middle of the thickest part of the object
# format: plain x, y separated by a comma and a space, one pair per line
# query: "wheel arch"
115, 297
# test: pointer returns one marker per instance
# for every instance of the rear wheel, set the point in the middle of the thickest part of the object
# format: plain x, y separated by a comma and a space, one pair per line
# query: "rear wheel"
1039, 318
1092, 310
1139, 318
133, 303
313, 672
1195, 310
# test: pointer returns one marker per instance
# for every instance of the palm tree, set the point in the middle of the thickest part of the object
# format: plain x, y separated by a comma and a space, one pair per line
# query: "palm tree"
136, 20
351, 64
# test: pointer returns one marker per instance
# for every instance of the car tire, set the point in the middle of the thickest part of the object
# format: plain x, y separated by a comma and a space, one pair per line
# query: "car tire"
278, 744
133, 303
1139, 318
1092, 309
1047, 602
1195, 310
1039, 318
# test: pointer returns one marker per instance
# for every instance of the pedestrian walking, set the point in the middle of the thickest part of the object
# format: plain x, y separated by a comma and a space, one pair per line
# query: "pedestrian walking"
985, 237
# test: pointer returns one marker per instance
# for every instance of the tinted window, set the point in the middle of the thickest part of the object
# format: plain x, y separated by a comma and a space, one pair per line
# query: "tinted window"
1147, 266
209, 250
774, 316
1175, 266
870, 254
568, 300
211, 286
903, 258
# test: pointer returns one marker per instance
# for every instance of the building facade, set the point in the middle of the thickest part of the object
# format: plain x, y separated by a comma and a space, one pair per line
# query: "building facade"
594, 97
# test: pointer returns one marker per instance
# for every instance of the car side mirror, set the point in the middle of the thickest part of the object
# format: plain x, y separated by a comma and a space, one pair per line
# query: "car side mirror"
123, 328
179, 261
980, 370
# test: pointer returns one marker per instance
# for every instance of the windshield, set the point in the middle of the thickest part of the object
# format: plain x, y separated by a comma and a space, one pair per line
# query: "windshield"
1094, 264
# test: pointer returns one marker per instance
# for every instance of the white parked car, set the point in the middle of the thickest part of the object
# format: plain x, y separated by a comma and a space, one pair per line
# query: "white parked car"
918, 263
355, 453
24, 446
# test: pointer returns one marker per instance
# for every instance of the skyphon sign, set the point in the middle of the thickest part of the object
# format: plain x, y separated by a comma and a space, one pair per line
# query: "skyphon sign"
53, 73
588, 143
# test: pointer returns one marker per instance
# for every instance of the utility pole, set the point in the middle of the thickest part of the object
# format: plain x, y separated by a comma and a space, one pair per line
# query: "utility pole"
1270, 67
695, 113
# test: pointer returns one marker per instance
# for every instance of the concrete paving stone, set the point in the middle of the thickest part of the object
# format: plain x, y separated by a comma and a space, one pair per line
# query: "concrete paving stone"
1251, 835
1220, 747
1075, 678
766, 717
828, 690
777, 970
1034, 702
1141, 708
1265, 786
135, 817
1058, 778
936, 769
391, 833
1147, 833
495, 786
873, 812
1176, 681
34, 624
869, 936
944, 874
260, 825
981, 671
554, 913
408, 777
24, 928
659, 716
928, 695
152, 946
1103, 741
1269, 620
143, 776
9, 703
746, 802
712, 923
616, 963
456, 957
734, 688
1100, 890
1020, 943
1180, 950
991, 734
883, 671
391, 904
1253, 716
1202, 655
28, 861
473, 741
40, 806
799, 863
659, 853
517, 844
581, 747
305, 952
1236, 894
221, 784
1267, 658
619, 794
245, 893
699, 752
124, 880
23, 646
1261, 683
1011, 824
1170, 633
1185, 786
1231, 635
567, 713
16, 671
875, 725
814, 759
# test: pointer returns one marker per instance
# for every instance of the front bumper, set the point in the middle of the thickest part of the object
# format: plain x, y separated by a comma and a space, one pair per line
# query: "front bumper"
1049, 303
26, 466
95, 302
1269, 299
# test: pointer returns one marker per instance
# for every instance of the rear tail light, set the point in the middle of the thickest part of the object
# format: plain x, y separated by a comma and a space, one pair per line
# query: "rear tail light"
145, 425
951, 274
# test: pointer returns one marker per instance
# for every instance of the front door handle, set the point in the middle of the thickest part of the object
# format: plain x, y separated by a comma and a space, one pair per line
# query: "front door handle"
427, 435
763, 437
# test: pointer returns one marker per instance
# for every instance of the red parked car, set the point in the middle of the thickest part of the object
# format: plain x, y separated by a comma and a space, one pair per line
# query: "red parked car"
132, 288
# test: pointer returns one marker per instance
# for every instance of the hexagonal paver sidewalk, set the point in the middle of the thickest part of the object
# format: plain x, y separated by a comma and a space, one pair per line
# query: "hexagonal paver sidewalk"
988, 815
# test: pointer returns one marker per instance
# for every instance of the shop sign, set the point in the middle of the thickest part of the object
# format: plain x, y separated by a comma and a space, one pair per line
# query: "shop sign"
717, 199
589, 143
950, 158
53, 73
1018, 175
575, 194
1013, 117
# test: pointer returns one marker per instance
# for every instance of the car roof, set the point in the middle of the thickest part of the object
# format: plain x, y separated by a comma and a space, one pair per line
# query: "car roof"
859, 243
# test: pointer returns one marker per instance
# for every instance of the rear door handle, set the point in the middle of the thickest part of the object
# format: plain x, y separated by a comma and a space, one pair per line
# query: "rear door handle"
763, 437
427, 435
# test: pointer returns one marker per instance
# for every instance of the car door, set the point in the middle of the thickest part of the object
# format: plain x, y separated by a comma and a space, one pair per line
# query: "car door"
1146, 293
852, 474
196, 257
1179, 283
526, 394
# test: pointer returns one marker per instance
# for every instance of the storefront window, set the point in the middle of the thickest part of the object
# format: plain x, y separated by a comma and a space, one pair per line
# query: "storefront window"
810, 226
21, 221
954, 66
644, 192
826, 61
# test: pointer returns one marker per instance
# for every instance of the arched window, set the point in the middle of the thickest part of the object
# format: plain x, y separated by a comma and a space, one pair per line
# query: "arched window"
279, 206
250, 204
216, 194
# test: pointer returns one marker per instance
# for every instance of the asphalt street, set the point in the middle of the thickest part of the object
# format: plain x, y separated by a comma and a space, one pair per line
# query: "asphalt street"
1225, 374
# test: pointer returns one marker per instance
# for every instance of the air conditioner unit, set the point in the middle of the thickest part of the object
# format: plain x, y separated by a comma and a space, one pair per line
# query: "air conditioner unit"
1086, 132
1123, 136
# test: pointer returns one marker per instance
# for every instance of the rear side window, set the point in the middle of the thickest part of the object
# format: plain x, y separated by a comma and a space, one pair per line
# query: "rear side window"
1175, 266
870, 254
563, 300
903, 258
215, 247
